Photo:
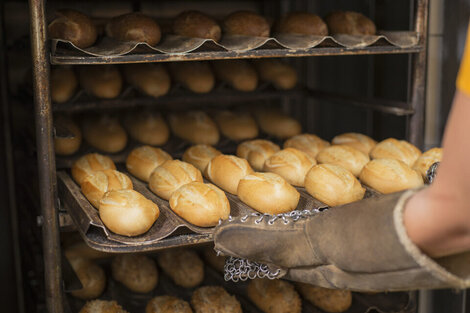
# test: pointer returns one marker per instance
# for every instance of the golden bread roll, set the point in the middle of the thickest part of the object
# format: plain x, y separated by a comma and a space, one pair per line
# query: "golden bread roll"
346, 156
134, 27
67, 146
101, 81
350, 23
102, 306
274, 296
256, 152
105, 133
246, 23
148, 128
277, 124
135, 271
195, 76
171, 175
226, 171
428, 158
200, 204
390, 175
236, 125
302, 23
151, 79
142, 161
127, 212
73, 26
215, 261
239, 74
209, 299
194, 126
196, 24
183, 266
91, 276
167, 304
392, 148
90, 163
359, 141
64, 84
268, 193
308, 143
200, 156
95, 186
328, 300
333, 185
83, 251
282, 75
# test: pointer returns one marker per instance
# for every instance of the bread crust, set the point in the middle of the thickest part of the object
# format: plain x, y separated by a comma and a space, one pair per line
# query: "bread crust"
184, 266
346, 156
102, 306
64, 84
137, 272
246, 23
91, 276
134, 27
277, 124
302, 23
308, 143
151, 79
195, 76
274, 296
256, 152
196, 24
194, 126
350, 23
291, 164
89, 163
226, 171
105, 133
200, 156
359, 141
392, 148
101, 81
143, 160
95, 186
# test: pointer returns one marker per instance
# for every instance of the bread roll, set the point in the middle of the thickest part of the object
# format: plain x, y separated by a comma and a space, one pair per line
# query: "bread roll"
389, 175
142, 161
346, 156
183, 266
333, 185
236, 125
101, 81
171, 175
200, 204
268, 193
73, 26
148, 128
196, 24
200, 156
246, 23
308, 143
302, 23
428, 158
359, 141
134, 27
350, 23
226, 171
95, 186
280, 74
151, 79
102, 306
256, 152
194, 126
167, 304
91, 276
90, 163
239, 74
64, 84
209, 299
277, 124
105, 133
396, 149
328, 300
214, 260
195, 76
274, 296
127, 212
135, 271
67, 146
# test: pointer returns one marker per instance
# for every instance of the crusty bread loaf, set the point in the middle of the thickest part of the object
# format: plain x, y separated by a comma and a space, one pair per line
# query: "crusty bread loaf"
200, 156
281, 74
104, 133
171, 175
359, 141
88, 164
333, 185
389, 175
268, 193
216, 261
143, 160
147, 127
346, 156
277, 124
101, 81
247, 24
95, 186
67, 146
64, 83
167, 304
428, 158
194, 126
226, 171
134, 27
239, 74
209, 299
302, 23
236, 125
392, 148
151, 79
328, 300
274, 296
73, 26
349, 23
308, 143
184, 266
91, 276
196, 24
256, 152
200, 204
137, 272
127, 212
195, 76
102, 306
